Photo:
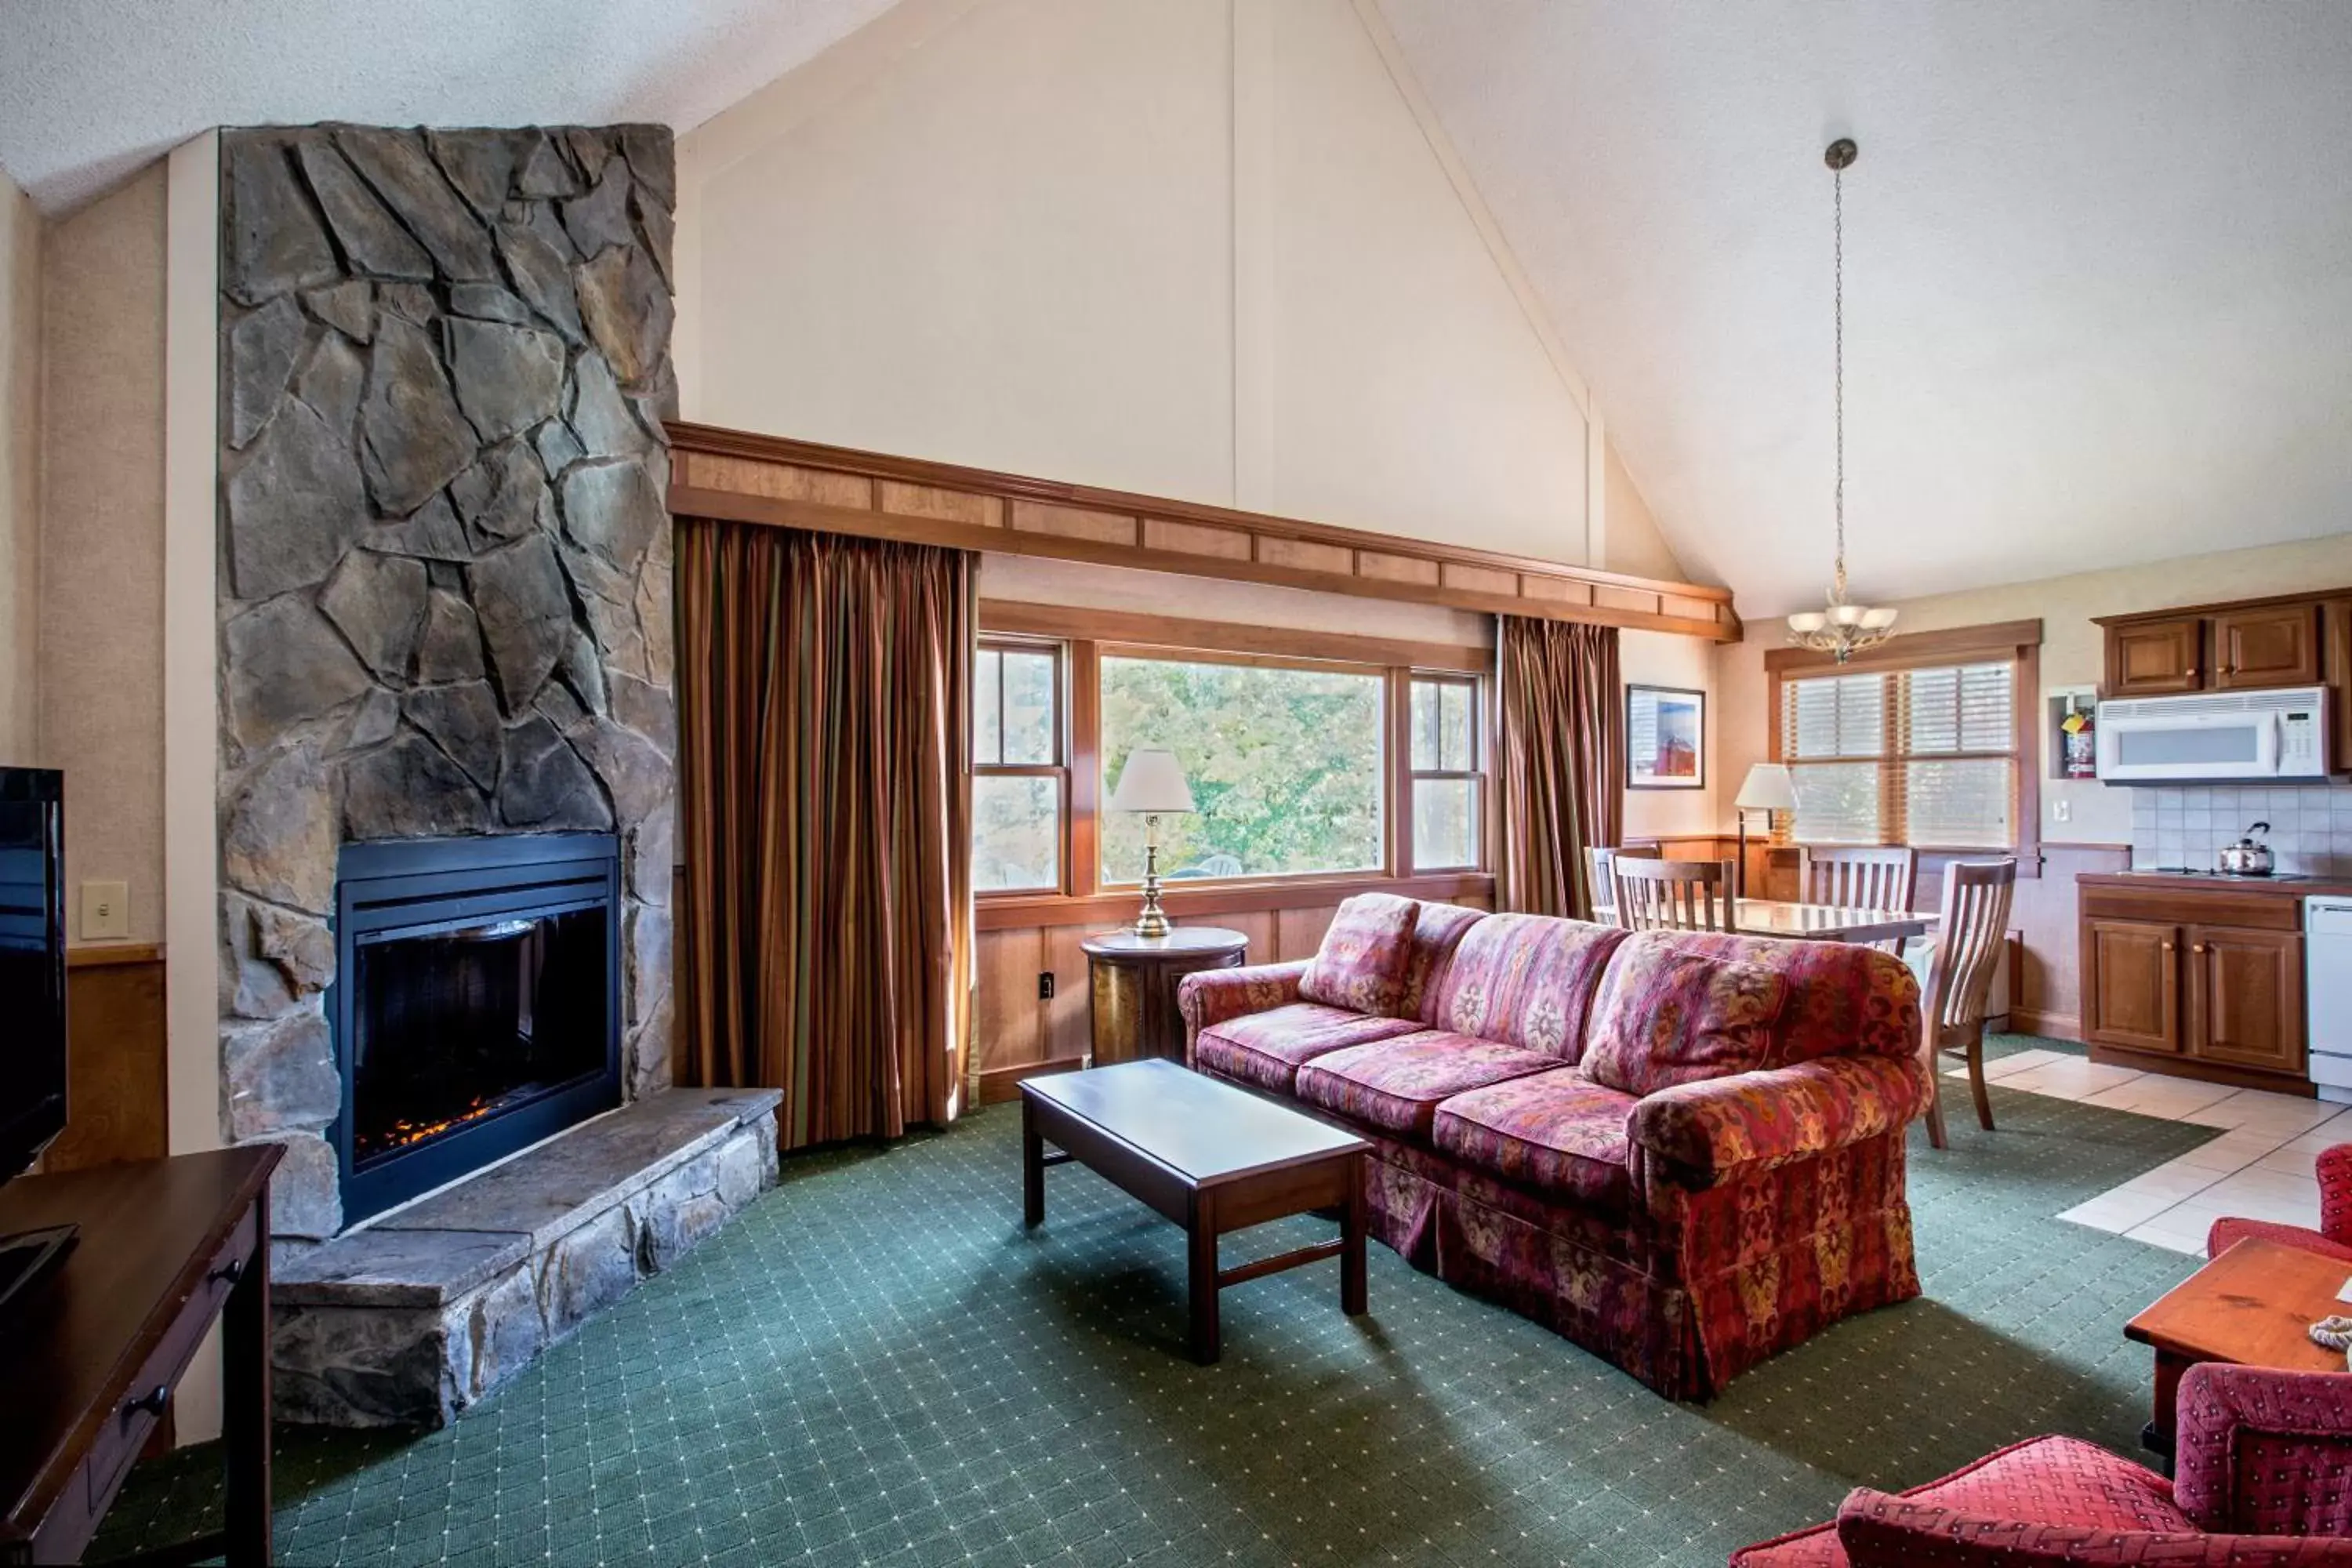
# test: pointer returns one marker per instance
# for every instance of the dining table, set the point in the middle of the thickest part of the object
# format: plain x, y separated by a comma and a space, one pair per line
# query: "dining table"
1826, 922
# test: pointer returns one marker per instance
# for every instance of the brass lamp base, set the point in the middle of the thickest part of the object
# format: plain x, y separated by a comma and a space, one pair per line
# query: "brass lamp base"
1153, 922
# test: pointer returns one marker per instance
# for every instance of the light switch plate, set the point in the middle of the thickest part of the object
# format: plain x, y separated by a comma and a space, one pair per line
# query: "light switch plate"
105, 912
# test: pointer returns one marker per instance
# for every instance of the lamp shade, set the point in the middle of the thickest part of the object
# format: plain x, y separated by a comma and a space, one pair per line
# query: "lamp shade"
1152, 781
1768, 787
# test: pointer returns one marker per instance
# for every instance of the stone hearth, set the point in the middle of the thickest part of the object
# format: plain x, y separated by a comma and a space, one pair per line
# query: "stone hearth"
446, 590
411, 1321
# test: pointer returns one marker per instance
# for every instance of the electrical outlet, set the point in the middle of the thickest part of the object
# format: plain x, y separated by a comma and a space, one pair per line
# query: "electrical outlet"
1044, 985
105, 912
2061, 811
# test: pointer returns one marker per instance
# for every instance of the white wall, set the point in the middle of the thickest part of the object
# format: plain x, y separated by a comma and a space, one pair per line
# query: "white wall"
2073, 651
20, 468
1659, 658
1191, 248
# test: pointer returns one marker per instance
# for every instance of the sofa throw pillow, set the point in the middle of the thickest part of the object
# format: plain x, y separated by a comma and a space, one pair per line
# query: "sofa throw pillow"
1664, 1017
1362, 963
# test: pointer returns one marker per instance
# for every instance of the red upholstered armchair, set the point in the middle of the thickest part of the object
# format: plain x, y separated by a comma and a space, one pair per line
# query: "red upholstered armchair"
2265, 1481
2334, 1236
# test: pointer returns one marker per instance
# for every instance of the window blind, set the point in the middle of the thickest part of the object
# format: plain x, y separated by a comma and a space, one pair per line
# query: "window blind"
1925, 756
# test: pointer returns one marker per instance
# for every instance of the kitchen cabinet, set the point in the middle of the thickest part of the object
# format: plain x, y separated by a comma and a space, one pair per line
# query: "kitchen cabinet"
2250, 645
2277, 645
2195, 977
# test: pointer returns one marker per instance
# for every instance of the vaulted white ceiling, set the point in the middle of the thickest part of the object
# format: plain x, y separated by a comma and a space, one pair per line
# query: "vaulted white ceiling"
2098, 263
2099, 252
91, 88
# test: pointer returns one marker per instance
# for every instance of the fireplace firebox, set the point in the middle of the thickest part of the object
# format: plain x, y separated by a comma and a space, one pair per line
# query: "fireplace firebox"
477, 1003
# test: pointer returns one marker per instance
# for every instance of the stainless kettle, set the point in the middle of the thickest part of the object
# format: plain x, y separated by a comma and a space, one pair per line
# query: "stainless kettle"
2246, 858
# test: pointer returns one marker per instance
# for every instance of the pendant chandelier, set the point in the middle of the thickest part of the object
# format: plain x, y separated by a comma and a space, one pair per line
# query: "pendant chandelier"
1841, 629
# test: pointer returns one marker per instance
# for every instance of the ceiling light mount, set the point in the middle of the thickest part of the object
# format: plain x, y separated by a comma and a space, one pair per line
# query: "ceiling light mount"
1840, 629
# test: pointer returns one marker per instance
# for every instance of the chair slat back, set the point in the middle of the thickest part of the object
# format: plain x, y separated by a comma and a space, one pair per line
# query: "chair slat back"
1967, 944
1870, 877
1673, 895
1604, 889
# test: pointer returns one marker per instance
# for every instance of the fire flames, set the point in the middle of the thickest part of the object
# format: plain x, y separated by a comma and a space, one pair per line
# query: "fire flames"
403, 1133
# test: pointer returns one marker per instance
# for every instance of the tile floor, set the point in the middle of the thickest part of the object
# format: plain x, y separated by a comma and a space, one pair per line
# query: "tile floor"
2259, 1165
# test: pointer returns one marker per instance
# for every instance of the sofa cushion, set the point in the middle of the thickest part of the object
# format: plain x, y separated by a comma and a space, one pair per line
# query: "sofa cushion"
1437, 933
1266, 1049
1557, 1132
1665, 1016
1361, 963
1843, 998
1527, 980
2042, 1480
1397, 1085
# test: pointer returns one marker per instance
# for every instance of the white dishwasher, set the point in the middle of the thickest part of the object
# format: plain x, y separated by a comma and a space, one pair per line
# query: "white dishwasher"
2328, 986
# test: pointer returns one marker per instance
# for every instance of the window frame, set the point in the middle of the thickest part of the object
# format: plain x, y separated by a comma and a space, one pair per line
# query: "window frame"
2016, 643
1086, 637
1475, 774
1058, 770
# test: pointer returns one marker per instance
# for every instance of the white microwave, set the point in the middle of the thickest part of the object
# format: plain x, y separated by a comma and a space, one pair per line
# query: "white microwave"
2221, 738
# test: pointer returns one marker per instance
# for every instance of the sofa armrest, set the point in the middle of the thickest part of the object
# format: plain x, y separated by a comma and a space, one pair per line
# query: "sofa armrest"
2259, 1450
1207, 997
1877, 1531
2335, 1173
1705, 1130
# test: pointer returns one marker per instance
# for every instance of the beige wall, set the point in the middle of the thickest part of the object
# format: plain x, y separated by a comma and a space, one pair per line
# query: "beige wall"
1189, 247
2072, 651
1633, 543
101, 549
1657, 659
20, 469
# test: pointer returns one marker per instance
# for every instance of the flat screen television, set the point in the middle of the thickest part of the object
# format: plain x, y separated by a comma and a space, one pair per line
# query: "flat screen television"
32, 964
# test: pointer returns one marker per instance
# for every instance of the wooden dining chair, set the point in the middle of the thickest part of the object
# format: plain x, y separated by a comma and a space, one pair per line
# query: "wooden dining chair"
1969, 941
1597, 861
1673, 895
1864, 876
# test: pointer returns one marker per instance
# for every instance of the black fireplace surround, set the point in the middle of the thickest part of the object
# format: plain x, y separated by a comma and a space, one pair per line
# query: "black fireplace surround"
477, 1003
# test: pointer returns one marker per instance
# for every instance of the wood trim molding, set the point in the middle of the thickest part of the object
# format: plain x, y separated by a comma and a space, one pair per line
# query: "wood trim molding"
2181, 612
1135, 630
1198, 903
109, 955
2002, 638
745, 478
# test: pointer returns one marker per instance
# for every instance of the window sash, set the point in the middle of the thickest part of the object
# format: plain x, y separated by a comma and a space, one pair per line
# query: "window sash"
1058, 769
1444, 690
1893, 726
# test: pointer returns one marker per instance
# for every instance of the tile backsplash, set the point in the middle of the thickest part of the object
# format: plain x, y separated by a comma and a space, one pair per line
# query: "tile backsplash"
2311, 826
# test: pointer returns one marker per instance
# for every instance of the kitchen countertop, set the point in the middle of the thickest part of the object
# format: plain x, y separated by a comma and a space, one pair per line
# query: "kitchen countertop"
2286, 885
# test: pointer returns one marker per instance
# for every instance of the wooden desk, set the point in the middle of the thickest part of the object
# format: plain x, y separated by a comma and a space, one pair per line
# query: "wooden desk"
1207, 1155
2252, 1306
91, 1355
1134, 982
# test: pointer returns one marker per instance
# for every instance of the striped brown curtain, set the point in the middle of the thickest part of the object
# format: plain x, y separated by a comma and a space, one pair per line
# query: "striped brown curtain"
823, 698
1561, 761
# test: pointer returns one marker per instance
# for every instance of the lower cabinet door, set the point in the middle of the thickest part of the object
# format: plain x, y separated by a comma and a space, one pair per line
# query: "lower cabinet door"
2248, 988
2131, 984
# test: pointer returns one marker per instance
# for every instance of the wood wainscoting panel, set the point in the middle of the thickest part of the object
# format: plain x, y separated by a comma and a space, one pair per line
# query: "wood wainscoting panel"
1194, 539
115, 1067
1073, 522
1306, 554
1382, 567
946, 506
1299, 932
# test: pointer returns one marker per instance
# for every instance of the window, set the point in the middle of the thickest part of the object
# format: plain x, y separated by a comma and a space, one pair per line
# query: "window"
1446, 810
1020, 781
1926, 755
1285, 763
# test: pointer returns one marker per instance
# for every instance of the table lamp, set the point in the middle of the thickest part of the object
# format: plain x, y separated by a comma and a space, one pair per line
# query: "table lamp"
1768, 788
1153, 783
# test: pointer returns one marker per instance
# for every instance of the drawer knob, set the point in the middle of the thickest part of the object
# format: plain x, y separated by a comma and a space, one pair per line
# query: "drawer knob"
151, 1403
230, 1272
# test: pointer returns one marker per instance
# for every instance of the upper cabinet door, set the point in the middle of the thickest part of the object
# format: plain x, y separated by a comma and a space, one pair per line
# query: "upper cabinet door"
2275, 646
2148, 658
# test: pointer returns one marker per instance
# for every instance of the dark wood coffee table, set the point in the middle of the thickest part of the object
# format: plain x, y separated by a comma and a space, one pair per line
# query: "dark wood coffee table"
2252, 1306
1210, 1157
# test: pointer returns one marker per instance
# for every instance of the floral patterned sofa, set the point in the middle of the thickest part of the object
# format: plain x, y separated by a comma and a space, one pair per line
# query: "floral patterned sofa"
1684, 1152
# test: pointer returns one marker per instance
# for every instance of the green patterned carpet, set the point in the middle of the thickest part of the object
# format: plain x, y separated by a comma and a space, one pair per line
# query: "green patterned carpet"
876, 1365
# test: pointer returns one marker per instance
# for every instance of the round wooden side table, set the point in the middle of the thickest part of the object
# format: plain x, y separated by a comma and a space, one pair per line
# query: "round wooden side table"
1134, 982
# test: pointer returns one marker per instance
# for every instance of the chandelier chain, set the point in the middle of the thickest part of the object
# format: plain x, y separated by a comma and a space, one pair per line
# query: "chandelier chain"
1837, 249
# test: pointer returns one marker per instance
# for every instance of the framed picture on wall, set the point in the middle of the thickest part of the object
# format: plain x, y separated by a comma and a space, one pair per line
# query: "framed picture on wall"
1665, 738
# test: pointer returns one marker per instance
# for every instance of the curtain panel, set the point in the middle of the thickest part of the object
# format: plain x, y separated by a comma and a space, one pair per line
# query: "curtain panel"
824, 720
1560, 757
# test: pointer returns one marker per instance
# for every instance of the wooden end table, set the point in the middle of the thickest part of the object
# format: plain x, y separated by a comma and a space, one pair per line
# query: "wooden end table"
1134, 981
1209, 1156
2252, 1306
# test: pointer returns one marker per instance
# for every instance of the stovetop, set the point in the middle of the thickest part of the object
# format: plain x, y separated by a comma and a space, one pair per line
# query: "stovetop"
2233, 875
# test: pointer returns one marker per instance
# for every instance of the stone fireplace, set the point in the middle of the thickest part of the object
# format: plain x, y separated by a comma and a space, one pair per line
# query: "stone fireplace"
445, 621
476, 1004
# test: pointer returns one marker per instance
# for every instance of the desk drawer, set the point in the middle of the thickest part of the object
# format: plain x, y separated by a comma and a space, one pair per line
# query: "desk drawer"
119, 1443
